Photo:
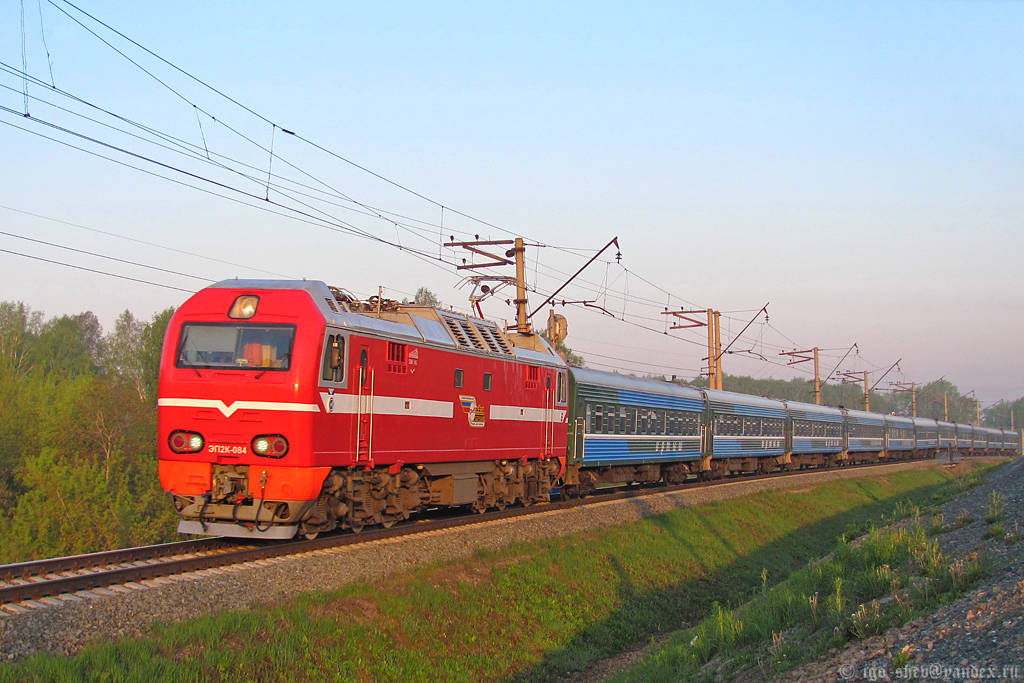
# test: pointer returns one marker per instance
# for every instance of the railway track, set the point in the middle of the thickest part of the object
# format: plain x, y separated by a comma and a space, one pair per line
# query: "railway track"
42, 580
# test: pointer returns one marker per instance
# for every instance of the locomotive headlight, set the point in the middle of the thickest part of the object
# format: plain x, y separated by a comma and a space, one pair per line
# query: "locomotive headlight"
244, 307
185, 442
270, 446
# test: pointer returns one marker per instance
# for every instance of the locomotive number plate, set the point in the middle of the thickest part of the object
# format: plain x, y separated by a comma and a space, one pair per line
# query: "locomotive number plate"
231, 450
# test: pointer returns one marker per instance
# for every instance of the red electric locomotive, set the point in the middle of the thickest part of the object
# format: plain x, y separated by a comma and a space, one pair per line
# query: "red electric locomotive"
291, 407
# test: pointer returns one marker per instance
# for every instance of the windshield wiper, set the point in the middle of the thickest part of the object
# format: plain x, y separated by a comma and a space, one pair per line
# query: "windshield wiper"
278, 362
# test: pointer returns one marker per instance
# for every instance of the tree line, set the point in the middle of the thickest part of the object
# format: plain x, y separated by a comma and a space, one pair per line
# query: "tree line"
933, 399
78, 466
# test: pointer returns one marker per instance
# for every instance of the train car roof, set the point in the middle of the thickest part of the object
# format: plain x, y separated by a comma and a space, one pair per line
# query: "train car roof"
615, 380
925, 422
900, 420
829, 413
744, 404
865, 418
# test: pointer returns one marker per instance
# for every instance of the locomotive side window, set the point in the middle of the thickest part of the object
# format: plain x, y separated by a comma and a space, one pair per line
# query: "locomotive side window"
334, 359
560, 393
460, 377
364, 367
487, 381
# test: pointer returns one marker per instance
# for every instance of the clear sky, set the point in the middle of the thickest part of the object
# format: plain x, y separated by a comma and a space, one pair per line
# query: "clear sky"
859, 165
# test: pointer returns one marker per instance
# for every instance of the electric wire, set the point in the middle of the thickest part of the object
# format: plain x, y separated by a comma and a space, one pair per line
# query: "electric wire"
100, 272
148, 244
109, 258
626, 298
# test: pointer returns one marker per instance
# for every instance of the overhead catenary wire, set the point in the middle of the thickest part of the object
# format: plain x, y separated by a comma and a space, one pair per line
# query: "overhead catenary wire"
626, 299
316, 216
149, 244
104, 256
99, 272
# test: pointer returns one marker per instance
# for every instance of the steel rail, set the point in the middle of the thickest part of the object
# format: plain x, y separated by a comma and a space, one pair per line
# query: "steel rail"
60, 565
49, 584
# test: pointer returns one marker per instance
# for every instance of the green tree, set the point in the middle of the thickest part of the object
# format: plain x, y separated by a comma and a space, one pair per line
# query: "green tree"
425, 297
568, 355
131, 352
78, 466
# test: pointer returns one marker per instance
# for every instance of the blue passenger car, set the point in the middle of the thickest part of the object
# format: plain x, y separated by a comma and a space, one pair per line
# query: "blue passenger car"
814, 428
1011, 441
980, 439
746, 426
865, 432
926, 435
947, 435
622, 420
964, 438
899, 435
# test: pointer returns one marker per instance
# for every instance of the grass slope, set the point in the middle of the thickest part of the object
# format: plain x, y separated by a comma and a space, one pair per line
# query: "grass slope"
529, 612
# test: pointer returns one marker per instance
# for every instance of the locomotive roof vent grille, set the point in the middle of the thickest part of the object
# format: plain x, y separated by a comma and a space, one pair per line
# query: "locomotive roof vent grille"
485, 334
453, 327
494, 339
471, 334
331, 305
477, 335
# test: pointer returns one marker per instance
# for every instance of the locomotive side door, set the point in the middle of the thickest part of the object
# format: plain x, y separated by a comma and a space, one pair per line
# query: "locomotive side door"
362, 377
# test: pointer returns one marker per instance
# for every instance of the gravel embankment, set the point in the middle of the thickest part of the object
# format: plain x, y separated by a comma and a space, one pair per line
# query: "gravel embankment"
65, 625
978, 637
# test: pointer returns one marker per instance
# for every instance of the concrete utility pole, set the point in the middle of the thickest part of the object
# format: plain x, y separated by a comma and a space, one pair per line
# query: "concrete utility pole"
712, 361
945, 405
802, 357
911, 387
714, 355
817, 378
522, 322
855, 378
719, 376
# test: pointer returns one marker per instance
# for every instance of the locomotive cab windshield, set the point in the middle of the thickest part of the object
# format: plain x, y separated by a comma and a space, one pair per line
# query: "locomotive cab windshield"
237, 346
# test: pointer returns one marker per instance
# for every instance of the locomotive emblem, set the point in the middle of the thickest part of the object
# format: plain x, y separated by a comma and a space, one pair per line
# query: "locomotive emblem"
475, 413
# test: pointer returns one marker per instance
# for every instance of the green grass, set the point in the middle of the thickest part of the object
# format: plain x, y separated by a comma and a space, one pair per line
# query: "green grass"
532, 611
858, 591
996, 505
